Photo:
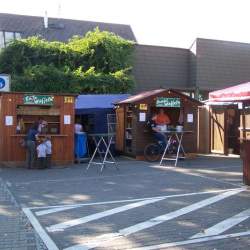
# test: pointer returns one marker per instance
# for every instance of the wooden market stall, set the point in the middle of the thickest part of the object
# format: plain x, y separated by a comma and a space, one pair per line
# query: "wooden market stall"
133, 114
18, 111
229, 118
239, 97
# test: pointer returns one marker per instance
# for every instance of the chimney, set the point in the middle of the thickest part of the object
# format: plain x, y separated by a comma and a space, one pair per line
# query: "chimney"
45, 20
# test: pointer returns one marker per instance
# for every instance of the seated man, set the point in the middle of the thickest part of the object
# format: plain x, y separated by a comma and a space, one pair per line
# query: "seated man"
159, 123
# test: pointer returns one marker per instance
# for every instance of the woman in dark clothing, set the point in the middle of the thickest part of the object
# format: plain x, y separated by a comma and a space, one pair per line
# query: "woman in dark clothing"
31, 138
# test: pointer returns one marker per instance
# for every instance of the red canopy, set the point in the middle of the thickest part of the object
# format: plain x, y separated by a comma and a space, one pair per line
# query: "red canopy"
239, 92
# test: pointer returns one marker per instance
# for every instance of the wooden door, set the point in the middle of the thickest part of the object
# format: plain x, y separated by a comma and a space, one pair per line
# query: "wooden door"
119, 143
203, 130
218, 141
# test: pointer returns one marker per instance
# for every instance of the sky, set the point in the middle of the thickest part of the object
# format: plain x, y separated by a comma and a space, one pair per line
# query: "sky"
174, 23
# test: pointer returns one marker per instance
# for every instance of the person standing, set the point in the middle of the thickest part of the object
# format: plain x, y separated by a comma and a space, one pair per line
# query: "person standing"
32, 137
41, 154
42, 126
78, 128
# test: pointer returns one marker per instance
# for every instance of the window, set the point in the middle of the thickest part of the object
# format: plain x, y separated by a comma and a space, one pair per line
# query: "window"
1, 39
17, 35
7, 36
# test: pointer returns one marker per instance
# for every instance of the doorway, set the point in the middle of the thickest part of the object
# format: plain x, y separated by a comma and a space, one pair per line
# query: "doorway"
225, 123
218, 142
233, 133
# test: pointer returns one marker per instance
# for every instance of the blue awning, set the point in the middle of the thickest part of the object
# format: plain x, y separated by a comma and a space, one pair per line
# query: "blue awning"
98, 101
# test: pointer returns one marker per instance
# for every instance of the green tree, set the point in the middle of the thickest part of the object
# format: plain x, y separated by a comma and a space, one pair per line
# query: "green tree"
99, 62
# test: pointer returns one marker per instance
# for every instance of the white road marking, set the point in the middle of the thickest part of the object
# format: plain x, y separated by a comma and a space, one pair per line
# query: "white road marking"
107, 238
224, 225
192, 241
50, 244
64, 225
8, 184
169, 216
57, 209
53, 209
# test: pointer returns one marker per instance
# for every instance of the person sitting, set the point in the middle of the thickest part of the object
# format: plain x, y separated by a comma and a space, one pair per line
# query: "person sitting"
162, 120
158, 124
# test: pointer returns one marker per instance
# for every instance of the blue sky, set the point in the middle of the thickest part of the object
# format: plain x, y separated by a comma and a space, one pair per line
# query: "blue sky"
173, 23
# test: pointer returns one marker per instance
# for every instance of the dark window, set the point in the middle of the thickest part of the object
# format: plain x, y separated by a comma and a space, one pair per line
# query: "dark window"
8, 36
1, 39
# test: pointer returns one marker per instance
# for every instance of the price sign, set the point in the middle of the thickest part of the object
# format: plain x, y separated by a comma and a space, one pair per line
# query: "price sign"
143, 106
68, 99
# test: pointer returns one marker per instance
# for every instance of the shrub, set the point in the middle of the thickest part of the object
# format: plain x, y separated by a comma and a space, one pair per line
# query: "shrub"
99, 62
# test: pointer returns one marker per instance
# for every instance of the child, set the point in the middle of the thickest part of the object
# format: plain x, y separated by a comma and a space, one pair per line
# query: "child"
48, 151
41, 154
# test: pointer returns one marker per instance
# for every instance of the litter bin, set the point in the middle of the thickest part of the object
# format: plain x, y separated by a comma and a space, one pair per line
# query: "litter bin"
245, 155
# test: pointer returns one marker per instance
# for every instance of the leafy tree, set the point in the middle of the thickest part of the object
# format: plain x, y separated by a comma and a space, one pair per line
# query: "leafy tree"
99, 62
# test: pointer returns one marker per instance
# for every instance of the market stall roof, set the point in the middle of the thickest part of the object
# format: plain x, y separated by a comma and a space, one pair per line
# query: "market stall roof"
98, 101
239, 92
143, 95
217, 103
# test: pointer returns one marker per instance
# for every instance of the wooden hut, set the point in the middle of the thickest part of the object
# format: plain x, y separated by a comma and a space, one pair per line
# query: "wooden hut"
232, 129
229, 118
18, 111
133, 114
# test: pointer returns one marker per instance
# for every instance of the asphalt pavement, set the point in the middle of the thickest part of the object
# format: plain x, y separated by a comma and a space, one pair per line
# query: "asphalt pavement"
201, 204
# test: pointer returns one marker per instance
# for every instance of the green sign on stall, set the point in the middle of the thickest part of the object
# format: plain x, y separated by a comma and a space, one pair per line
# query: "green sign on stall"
38, 99
165, 102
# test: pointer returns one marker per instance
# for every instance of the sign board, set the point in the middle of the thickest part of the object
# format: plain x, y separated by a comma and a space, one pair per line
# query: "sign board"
68, 99
8, 120
4, 83
165, 102
143, 106
38, 100
67, 119
142, 117
190, 118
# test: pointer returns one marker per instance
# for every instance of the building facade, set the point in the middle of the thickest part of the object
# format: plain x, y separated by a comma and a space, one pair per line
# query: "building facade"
53, 29
160, 67
207, 65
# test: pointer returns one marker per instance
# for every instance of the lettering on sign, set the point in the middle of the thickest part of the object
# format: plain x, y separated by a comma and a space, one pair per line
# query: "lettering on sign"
38, 99
68, 99
164, 102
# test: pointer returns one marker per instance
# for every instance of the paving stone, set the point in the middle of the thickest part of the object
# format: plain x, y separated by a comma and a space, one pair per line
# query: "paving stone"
135, 180
13, 234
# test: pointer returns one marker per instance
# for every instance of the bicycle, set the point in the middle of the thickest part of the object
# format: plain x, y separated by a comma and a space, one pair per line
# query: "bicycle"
154, 151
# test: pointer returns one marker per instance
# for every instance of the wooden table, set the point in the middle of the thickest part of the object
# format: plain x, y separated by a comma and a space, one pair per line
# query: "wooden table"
179, 136
99, 139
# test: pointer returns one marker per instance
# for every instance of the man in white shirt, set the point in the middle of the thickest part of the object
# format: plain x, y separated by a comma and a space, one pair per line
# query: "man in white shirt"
78, 128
